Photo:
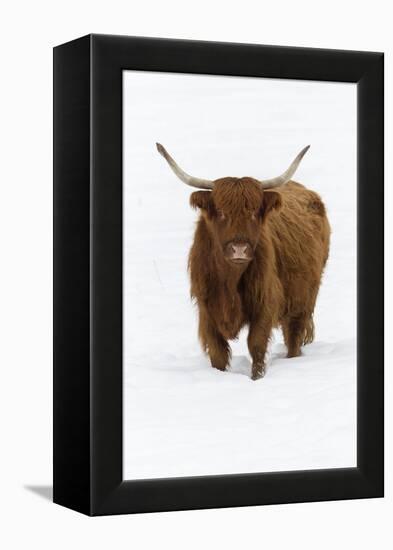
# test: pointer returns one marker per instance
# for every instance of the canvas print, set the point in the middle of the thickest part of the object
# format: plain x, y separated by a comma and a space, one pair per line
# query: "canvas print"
239, 275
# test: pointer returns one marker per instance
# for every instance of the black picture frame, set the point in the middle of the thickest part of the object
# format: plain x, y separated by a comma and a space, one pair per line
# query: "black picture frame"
88, 274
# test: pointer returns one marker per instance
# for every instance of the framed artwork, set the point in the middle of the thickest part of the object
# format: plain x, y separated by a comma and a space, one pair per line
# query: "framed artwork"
218, 274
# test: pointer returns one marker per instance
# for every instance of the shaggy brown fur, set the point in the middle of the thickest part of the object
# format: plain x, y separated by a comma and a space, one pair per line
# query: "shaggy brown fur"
285, 234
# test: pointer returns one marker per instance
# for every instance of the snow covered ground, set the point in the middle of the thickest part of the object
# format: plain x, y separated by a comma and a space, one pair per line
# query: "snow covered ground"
181, 417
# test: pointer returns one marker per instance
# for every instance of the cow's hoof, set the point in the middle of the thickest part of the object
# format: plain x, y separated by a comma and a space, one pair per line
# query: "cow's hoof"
293, 354
221, 368
258, 371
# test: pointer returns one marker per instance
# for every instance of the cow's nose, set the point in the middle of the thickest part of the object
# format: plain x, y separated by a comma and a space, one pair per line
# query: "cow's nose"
239, 251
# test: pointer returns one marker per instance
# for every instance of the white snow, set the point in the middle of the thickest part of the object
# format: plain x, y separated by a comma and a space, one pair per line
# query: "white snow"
181, 417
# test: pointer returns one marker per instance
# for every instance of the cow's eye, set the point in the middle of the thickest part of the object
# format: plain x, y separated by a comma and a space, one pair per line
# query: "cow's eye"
221, 215
253, 216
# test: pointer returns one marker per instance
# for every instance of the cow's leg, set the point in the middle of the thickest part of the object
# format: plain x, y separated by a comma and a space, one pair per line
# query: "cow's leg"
213, 342
218, 350
258, 339
297, 330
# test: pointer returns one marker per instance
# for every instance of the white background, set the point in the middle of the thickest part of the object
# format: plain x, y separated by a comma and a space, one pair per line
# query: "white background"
181, 417
28, 31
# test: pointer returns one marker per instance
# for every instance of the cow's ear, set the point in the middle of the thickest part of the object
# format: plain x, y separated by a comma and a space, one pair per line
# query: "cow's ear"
271, 201
203, 200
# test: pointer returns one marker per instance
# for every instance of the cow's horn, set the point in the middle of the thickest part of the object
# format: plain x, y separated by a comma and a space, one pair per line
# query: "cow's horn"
287, 175
186, 178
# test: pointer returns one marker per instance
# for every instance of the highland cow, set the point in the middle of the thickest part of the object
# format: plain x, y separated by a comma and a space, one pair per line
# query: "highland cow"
257, 260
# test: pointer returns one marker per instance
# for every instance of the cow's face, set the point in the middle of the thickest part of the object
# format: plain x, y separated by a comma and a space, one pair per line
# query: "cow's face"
235, 211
